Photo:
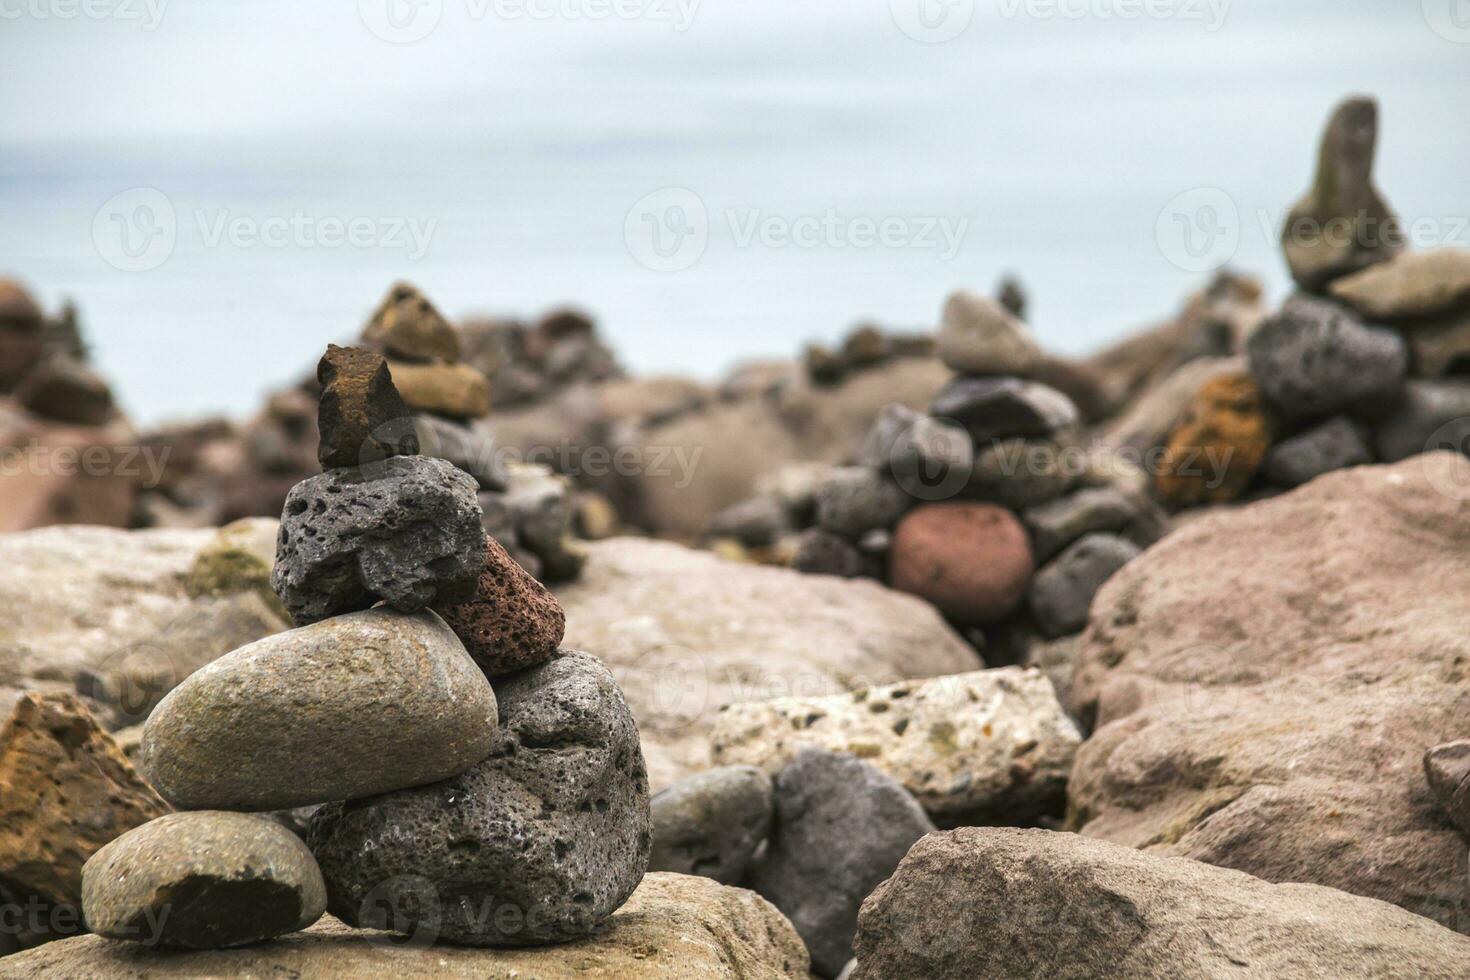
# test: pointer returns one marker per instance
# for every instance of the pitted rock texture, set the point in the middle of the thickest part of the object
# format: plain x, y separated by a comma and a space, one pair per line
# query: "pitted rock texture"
512, 622
360, 704
712, 823
539, 843
998, 903
987, 746
407, 531
361, 418
203, 880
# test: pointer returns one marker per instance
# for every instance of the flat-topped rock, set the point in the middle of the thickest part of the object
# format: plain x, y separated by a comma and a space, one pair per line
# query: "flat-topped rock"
673, 927
686, 632
1410, 285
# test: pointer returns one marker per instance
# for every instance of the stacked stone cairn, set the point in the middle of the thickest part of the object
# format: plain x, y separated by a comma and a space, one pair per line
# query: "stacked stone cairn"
459, 776
963, 504
1364, 363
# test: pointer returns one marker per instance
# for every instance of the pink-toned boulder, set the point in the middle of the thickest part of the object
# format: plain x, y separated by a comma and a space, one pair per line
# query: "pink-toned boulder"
972, 561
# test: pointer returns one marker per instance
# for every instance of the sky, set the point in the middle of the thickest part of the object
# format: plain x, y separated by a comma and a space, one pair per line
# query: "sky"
225, 187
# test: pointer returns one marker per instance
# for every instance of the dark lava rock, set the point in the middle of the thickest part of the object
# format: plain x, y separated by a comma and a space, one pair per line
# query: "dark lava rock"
1061, 593
841, 828
820, 552
711, 823
1335, 444
1057, 523
537, 844
1002, 408
1448, 769
1314, 359
1432, 415
853, 500
513, 621
412, 536
203, 880
361, 418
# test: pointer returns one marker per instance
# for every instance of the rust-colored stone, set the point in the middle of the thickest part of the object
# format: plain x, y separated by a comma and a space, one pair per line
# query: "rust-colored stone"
362, 418
1217, 446
973, 561
513, 622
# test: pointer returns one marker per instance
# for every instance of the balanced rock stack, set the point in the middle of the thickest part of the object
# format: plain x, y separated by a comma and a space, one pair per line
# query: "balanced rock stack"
963, 504
1362, 365
470, 781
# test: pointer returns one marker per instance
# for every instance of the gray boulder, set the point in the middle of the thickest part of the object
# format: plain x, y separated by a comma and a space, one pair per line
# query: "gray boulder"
539, 843
407, 530
841, 828
983, 903
1334, 445
820, 552
853, 500
1057, 523
356, 705
1314, 359
1021, 473
1432, 415
1061, 593
202, 880
711, 823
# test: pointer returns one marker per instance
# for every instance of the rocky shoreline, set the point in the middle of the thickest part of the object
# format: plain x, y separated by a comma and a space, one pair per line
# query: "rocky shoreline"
930, 654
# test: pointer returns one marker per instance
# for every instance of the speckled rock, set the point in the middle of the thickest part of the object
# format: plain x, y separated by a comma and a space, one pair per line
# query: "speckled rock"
986, 746
1335, 444
1447, 767
972, 561
841, 828
979, 336
361, 418
1004, 407
1410, 285
407, 325
549, 834
240, 558
456, 391
202, 880
1217, 447
853, 500
712, 823
512, 622
412, 536
1037, 904
65, 790
821, 552
1058, 523
1314, 359
674, 927
1342, 224
302, 717
1061, 594
892, 422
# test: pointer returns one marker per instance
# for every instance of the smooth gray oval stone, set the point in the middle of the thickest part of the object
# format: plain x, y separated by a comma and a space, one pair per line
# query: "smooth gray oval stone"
205, 880
353, 706
539, 843
711, 823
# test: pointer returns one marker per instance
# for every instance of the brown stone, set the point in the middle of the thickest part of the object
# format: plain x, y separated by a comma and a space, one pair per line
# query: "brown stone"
1217, 447
362, 419
1265, 681
456, 391
21, 333
65, 790
1409, 286
973, 561
64, 474
513, 622
66, 390
407, 325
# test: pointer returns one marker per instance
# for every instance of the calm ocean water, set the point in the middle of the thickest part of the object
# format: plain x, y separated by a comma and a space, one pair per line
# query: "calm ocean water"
224, 194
